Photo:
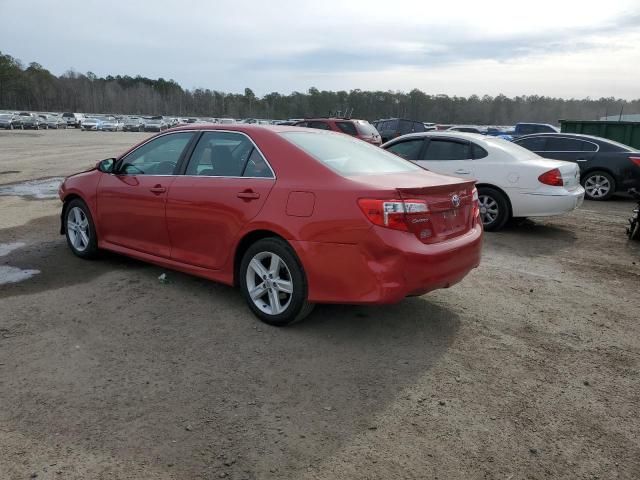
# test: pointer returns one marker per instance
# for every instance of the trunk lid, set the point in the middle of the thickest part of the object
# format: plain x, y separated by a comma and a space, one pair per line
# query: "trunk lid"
449, 214
449, 200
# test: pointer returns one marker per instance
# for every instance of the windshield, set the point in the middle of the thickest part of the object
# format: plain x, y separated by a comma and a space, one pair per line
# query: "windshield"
4, 115
349, 156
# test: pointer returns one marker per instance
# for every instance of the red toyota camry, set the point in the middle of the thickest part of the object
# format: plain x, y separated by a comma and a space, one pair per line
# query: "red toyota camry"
293, 216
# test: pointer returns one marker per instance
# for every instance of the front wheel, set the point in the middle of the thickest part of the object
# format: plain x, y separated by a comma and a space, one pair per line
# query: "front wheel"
598, 185
494, 208
273, 282
80, 230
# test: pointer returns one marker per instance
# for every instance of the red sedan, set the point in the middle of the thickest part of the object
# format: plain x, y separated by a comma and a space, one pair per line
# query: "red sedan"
293, 216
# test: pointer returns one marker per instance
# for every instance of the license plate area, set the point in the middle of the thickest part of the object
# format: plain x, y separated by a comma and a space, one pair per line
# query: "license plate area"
452, 221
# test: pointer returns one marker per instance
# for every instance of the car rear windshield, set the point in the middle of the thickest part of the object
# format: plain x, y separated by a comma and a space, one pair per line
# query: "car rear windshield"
349, 156
365, 128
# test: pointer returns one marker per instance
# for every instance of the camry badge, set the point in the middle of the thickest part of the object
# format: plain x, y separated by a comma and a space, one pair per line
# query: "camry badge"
455, 200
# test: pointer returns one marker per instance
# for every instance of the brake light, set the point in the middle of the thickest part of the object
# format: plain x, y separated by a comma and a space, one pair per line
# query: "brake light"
635, 160
475, 202
391, 213
552, 177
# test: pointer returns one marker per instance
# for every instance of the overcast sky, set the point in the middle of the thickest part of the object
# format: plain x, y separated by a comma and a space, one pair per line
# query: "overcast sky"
559, 48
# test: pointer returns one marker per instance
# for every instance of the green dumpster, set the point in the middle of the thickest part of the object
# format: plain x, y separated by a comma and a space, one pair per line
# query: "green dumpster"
623, 132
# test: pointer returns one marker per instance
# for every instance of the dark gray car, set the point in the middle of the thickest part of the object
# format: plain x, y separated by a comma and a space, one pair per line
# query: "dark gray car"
606, 166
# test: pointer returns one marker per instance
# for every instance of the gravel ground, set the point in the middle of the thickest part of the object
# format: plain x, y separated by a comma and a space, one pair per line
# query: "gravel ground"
528, 369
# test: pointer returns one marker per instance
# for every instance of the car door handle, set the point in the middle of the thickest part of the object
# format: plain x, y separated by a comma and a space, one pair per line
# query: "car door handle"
460, 171
581, 160
157, 189
248, 195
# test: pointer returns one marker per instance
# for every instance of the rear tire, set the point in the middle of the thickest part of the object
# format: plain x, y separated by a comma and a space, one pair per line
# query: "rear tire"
273, 282
598, 185
494, 208
80, 230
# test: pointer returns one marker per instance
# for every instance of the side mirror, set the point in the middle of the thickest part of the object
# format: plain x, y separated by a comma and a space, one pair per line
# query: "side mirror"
106, 166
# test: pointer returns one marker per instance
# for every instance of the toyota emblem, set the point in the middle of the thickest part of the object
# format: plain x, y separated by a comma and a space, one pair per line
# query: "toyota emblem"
455, 200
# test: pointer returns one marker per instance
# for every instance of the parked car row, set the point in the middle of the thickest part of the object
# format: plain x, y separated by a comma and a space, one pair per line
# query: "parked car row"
270, 209
26, 120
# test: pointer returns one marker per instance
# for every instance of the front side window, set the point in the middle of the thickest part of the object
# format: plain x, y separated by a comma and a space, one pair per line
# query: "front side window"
157, 157
447, 150
409, 149
349, 156
226, 154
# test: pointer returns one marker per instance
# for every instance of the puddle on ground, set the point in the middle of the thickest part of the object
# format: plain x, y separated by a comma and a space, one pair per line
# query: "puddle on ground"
14, 275
40, 189
7, 248
9, 274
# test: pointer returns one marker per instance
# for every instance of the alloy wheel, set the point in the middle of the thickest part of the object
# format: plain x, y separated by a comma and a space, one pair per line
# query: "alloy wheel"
489, 209
269, 283
78, 229
597, 186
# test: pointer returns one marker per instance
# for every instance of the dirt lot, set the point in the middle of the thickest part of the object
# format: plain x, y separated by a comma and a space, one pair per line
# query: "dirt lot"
530, 368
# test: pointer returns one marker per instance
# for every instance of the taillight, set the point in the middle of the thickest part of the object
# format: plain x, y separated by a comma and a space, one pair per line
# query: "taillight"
552, 177
391, 213
475, 214
635, 160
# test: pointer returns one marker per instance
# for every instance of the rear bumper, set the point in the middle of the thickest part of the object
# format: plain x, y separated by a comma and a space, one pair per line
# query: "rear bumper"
387, 267
544, 204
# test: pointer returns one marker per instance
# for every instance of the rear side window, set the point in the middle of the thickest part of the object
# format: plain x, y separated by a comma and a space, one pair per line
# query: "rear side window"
223, 154
418, 127
478, 152
589, 147
447, 150
409, 149
347, 127
535, 144
558, 144
349, 156
406, 127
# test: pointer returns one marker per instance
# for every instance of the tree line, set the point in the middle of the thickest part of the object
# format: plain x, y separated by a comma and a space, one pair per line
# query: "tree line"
35, 88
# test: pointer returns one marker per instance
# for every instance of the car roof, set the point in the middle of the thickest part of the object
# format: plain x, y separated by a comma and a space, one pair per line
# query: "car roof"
446, 134
563, 134
581, 136
240, 127
339, 119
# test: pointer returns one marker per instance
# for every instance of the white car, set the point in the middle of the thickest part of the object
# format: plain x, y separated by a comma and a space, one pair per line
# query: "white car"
511, 180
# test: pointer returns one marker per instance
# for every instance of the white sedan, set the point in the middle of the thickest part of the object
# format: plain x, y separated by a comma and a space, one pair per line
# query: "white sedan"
511, 180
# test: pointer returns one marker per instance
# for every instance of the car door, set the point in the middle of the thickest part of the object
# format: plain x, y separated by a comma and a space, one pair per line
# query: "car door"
223, 186
132, 200
448, 156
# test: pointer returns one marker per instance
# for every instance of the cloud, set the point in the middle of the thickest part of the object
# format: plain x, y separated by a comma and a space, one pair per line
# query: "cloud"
294, 44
